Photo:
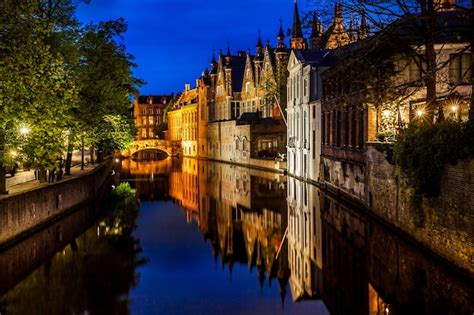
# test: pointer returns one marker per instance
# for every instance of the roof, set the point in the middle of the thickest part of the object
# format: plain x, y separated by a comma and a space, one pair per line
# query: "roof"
187, 98
156, 99
310, 56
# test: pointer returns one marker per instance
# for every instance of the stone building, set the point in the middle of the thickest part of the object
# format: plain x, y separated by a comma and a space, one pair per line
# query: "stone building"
354, 116
304, 112
183, 121
148, 113
304, 90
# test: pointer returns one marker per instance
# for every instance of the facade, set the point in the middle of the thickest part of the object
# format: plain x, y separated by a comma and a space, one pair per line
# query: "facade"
304, 112
352, 122
304, 90
183, 121
148, 112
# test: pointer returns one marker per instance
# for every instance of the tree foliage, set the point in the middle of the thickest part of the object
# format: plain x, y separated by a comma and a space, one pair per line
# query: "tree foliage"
65, 81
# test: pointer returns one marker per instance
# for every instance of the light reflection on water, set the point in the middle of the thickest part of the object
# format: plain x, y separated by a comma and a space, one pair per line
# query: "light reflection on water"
209, 234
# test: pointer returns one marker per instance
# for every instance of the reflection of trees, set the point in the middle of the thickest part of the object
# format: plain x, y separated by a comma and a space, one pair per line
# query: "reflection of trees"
93, 274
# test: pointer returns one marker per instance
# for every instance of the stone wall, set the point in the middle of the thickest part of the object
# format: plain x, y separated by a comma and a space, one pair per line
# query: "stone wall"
443, 224
19, 213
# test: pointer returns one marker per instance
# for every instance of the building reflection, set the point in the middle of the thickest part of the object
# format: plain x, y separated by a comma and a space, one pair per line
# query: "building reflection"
332, 252
241, 212
149, 177
356, 265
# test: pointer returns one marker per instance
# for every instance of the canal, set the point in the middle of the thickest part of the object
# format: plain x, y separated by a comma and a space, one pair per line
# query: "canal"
213, 238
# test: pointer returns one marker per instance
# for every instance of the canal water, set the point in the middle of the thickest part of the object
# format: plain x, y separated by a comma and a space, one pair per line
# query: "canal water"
213, 238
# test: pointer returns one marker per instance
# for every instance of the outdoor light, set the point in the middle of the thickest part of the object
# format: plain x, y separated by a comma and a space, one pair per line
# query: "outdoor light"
117, 160
13, 153
24, 130
454, 108
419, 112
386, 113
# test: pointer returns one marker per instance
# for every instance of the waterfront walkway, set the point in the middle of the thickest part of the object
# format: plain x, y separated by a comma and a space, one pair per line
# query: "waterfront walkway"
25, 180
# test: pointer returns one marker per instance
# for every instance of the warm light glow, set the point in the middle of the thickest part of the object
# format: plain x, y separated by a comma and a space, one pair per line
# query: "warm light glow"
24, 130
419, 112
386, 113
117, 160
13, 153
454, 108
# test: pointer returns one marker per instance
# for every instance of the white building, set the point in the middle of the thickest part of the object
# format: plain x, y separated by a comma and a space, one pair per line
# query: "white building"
304, 112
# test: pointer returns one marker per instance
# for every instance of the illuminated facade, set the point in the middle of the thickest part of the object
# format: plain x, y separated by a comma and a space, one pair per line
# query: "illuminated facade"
183, 121
352, 122
148, 113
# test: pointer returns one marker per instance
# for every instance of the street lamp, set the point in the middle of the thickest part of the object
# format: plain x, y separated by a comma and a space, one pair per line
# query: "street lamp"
13, 153
419, 113
24, 130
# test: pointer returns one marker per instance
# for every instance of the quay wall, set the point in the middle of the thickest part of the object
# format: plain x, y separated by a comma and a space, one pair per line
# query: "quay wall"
443, 224
25, 211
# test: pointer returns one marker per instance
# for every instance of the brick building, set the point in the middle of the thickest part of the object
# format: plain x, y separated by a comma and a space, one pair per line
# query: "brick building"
148, 112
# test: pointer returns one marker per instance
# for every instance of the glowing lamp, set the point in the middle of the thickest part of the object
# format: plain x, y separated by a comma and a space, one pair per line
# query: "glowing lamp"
386, 113
13, 153
24, 130
117, 160
454, 108
419, 112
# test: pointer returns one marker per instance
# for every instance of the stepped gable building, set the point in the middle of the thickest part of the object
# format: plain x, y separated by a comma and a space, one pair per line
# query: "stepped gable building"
244, 121
148, 112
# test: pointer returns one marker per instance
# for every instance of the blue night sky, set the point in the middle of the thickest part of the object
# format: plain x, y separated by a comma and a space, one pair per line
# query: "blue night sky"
172, 40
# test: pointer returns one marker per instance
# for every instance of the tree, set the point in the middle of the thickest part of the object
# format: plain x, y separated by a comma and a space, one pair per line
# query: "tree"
106, 82
412, 29
37, 86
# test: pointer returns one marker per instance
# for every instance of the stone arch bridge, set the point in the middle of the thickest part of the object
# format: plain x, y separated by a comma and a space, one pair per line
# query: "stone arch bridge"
172, 148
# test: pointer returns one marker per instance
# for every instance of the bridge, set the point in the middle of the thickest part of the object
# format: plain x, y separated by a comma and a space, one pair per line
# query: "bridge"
172, 148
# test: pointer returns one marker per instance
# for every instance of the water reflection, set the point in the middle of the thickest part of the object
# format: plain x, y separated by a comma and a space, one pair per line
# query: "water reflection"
75, 272
286, 248
333, 253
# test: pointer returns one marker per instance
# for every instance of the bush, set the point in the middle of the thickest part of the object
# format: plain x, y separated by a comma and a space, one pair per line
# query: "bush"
422, 151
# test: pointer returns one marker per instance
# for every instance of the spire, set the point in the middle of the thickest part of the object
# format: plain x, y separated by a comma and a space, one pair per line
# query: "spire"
363, 28
281, 37
297, 39
316, 32
259, 45
338, 13
213, 62
297, 32
228, 56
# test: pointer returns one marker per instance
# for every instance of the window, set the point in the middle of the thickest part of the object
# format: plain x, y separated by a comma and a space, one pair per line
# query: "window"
247, 87
417, 68
219, 90
150, 120
460, 68
305, 87
143, 133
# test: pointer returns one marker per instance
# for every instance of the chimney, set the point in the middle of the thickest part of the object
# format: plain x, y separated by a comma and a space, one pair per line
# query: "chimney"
187, 87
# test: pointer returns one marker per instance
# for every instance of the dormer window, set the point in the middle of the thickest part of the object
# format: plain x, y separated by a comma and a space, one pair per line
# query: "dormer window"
247, 87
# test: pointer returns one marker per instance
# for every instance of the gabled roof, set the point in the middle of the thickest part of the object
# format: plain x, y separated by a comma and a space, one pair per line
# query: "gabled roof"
187, 98
156, 99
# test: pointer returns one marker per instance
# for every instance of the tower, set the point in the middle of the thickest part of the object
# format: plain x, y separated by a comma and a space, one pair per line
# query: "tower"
297, 39
364, 29
317, 31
